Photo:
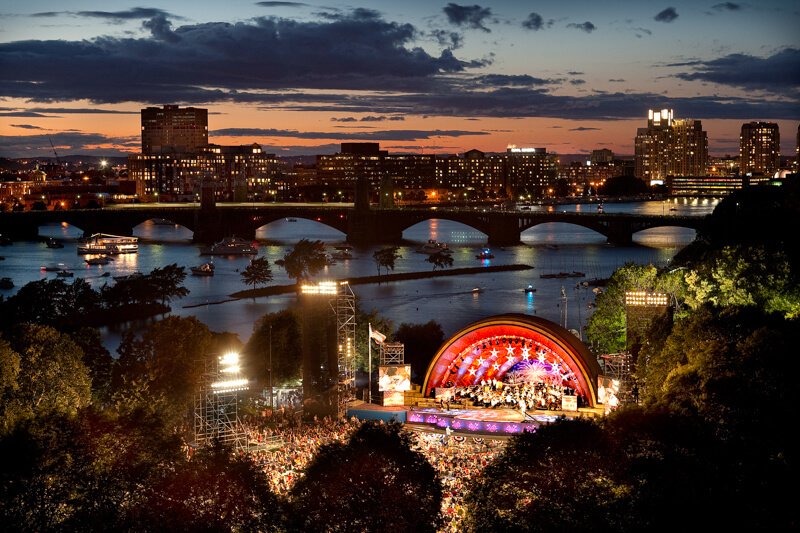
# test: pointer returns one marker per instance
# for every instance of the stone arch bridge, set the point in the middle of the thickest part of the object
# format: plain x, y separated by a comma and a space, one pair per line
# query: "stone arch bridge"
374, 226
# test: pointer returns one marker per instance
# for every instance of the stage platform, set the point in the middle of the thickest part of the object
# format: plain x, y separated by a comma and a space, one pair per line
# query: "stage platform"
497, 421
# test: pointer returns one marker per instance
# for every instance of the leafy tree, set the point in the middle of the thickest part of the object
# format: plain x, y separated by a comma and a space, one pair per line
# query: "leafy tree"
386, 257
257, 272
421, 342
623, 186
441, 259
306, 259
379, 323
163, 367
9, 374
52, 376
52, 302
374, 482
167, 282
97, 360
744, 276
561, 478
215, 491
282, 331
606, 328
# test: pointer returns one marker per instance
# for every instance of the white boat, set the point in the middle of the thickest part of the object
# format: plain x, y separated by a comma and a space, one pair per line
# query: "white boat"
343, 252
206, 269
230, 246
102, 243
432, 247
53, 268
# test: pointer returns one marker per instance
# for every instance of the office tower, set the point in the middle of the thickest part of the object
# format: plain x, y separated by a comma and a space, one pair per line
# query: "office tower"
759, 149
172, 129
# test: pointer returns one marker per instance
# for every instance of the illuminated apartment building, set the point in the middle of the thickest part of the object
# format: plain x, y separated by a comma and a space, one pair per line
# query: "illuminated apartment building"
670, 147
759, 149
173, 129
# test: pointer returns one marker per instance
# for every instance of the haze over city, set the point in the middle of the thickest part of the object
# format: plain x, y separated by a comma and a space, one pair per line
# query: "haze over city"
300, 78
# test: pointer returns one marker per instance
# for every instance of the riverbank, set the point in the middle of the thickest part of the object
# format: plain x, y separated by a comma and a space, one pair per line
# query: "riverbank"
386, 278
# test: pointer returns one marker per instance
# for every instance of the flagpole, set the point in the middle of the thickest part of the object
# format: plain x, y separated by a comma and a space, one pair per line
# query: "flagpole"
369, 343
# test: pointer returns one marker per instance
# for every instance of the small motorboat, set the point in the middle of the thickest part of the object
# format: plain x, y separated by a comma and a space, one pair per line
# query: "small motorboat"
129, 277
485, 254
53, 268
206, 269
291, 220
6, 283
343, 252
102, 260
64, 274
530, 289
477, 290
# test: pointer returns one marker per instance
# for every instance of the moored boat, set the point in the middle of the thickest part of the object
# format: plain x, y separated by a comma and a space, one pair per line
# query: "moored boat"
206, 269
103, 243
129, 277
343, 252
485, 254
433, 247
230, 246
100, 260
530, 289
64, 274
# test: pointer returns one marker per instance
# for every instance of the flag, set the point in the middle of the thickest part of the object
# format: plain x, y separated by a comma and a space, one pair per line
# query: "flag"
376, 335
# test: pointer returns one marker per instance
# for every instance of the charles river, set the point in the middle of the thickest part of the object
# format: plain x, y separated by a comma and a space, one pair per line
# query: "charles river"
549, 248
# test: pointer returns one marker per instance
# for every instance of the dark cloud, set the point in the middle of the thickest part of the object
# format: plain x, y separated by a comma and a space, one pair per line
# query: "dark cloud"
370, 118
534, 22
136, 13
23, 114
727, 6
667, 15
450, 39
511, 80
584, 128
381, 135
281, 4
577, 81
468, 16
357, 50
575, 73
81, 111
778, 73
69, 142
27, 127
587, 26
617, 80
161, 29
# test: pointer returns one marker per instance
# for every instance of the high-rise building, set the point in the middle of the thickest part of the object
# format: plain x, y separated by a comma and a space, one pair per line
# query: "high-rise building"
669, 147
172, 129
689, 148
759, 149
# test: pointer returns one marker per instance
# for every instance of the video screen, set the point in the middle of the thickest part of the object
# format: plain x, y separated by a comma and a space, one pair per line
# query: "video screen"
395, 378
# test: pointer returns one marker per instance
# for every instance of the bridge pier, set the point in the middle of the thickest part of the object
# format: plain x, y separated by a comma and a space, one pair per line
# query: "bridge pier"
503, 230
370, 227
620, 233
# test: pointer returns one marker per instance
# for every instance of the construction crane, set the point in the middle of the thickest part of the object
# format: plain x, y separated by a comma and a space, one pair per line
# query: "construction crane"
58, 161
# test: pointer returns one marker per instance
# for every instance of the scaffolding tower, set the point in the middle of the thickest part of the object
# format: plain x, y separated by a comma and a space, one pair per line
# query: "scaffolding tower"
344, 306
216, 408
619, 366
392, 353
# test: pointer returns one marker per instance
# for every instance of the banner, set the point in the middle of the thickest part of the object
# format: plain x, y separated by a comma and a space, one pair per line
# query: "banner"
376, 335
569, 403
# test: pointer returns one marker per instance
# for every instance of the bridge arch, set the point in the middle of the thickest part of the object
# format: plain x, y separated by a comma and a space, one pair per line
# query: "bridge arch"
661, 235
562, 232
490, 348
433, 222
337, 225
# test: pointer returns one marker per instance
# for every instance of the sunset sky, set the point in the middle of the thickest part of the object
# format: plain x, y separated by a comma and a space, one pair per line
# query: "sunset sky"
414, 75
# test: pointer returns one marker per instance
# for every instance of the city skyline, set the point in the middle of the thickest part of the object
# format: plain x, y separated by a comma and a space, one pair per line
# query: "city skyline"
300, 78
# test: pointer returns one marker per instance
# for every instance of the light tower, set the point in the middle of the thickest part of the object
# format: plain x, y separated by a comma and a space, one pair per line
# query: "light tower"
216, 412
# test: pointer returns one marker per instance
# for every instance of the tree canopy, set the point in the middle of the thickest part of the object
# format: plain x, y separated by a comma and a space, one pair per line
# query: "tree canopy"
306, 259
441, 259
258, 272
375, 482
386, 257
